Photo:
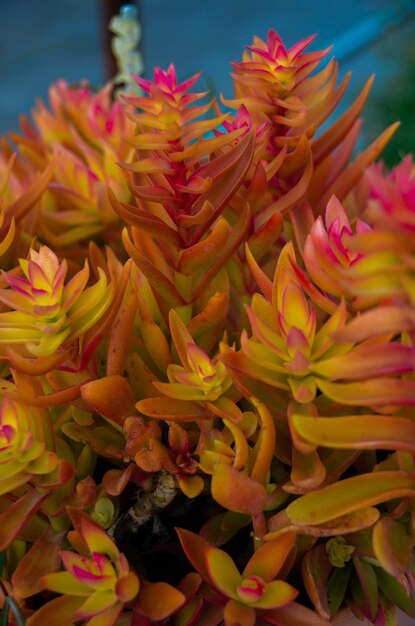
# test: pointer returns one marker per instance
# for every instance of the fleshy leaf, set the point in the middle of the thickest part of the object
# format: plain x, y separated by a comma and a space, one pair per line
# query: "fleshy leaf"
378, 432
393, 546
223, 572
98, 539
171, 409
17, 515
269, 558
350, 494
337, 586
236, 491
316, 569
395, 592
294, 614
195, 548
236, 613
364, 588
59, 612
159, 600
42, 558
110, 396
277, 593
349, 523
375, 392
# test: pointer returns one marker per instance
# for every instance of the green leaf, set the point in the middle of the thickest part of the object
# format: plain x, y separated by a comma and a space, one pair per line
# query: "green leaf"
4, 613
395, 592
16, 611
336, 588
365, 587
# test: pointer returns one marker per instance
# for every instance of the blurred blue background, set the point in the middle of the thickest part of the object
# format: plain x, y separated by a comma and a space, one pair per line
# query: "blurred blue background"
41, 42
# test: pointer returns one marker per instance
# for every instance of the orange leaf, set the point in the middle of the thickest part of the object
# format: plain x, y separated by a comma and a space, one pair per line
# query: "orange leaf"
195, 548
159, 600
191, 486
194, 258
265, 446
236, 491
227, 172
237, 236
262, 240
120, 336
329, 140
263, 282
110, 396
41, 365
294, 195
172, 409
352, 174
156, 278
115, 480
308, 472
268, 560
144, 220
149, 166
181, 337
237, 613
24, 203
59, 612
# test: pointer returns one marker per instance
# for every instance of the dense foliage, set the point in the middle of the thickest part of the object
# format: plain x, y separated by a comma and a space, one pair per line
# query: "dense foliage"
207, 328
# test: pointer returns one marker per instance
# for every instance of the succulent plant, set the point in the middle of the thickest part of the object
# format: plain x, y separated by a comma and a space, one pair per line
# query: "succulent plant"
207, 352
